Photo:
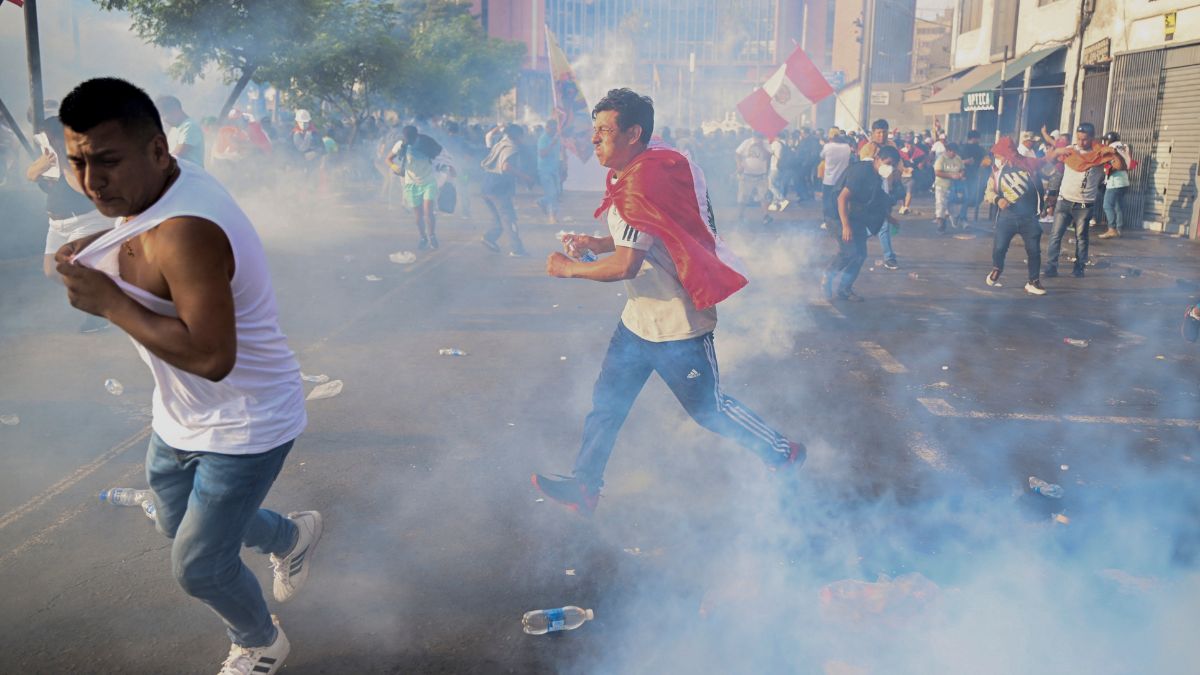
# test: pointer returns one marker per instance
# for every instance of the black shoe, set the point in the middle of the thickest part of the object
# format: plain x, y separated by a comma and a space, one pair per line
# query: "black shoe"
423, 245
433, 242
569, 492
490, 245
93, 324
891, 264
1191, 326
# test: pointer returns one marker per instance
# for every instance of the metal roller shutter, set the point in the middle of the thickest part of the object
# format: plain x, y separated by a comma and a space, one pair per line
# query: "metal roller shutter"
1179, 136
1095, 96
1133, 112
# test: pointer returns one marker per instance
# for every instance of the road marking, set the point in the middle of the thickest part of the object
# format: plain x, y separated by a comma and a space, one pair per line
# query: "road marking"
72, 479
885, 359
941, 408
979, 291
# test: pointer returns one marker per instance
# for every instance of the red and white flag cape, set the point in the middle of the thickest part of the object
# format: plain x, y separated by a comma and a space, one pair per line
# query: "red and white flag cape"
783, 96
663, 194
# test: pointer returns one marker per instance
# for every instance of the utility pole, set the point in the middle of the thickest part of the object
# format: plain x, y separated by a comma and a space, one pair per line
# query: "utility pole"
867, 58
33, 53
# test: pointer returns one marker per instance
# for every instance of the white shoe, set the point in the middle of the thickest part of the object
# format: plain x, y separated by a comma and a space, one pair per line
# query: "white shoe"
784, 204
1035, 288
903, 210
291, 571
258, 660
993, 278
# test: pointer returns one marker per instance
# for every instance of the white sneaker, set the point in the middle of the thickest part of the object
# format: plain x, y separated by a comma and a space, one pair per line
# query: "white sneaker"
291, 571
903, 210
1035, 288
258, 660
993, 278
784, 204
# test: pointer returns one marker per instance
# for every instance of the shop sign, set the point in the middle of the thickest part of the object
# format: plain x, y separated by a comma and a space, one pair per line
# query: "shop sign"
979, 100
1098, 52
880, 97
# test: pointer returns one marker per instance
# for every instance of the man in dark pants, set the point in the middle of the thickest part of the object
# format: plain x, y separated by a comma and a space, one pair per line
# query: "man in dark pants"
972, 158
663, 245
863, 208
1082, 173
1014, 189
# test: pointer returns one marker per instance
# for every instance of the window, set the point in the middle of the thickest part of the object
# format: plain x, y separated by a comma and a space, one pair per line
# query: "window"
970, 13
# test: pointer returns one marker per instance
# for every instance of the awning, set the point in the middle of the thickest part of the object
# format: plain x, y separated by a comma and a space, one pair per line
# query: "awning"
949, 100
1015, 68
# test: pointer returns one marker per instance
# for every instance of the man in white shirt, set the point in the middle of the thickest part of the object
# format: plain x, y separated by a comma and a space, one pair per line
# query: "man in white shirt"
753, 162
228, 401
1076, 201
836, 154
663, 327
185, 138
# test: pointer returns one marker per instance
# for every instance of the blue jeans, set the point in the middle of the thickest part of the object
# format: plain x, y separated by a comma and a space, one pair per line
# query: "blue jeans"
1009, 226
689, 368
1112, 207
848, 260
1076, 215
209, 504
885, 242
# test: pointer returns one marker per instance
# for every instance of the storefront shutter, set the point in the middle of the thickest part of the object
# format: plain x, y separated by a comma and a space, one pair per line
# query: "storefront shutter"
1133, 112
1179, 134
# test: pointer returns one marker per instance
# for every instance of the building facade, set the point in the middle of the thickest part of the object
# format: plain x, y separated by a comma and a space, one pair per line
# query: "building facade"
1129, 67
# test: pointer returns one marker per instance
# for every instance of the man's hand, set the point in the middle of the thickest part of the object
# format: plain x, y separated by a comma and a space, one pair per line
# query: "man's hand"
39, 166
576, 244
847, 234
559, 265
88, 290
68, 251
1002, 203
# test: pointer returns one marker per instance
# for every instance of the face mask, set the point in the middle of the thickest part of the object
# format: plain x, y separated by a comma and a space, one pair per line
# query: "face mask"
885, 171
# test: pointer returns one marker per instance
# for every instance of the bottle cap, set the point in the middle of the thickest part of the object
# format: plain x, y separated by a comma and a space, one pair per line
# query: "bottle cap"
589, 614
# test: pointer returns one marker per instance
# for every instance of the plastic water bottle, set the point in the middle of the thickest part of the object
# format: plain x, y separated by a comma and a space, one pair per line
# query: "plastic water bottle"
149, 510
114, 386
124, 496
1075, 342
450, 351
542, 621
1051, 490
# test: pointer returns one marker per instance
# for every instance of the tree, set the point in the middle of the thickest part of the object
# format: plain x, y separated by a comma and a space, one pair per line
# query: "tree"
349, 63
237, 36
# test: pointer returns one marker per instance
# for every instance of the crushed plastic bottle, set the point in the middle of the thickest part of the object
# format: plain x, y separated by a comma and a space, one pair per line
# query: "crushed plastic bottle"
586, 255
542, 621
124, 496
114, 386
149, 510
1041, 487
403, 257
451, 351
10, 420
315, 379
327, 390
1075, 342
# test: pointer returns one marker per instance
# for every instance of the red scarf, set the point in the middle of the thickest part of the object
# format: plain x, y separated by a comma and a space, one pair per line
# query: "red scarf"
1082, 161
659, 193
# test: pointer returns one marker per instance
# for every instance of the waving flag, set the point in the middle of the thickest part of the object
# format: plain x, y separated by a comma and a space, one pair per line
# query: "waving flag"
782, 96
570, 108
18, 3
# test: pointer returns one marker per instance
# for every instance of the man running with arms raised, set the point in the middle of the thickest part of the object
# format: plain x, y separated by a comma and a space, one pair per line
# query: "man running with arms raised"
185, 275
665, 248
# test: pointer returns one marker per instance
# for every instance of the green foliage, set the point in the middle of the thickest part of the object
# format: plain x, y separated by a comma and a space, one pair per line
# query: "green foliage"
430, 56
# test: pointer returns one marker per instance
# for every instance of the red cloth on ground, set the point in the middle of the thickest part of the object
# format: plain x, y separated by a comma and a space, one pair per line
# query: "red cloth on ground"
657, 194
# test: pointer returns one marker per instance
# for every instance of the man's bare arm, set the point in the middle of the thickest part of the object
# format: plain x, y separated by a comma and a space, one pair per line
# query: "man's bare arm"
623, 264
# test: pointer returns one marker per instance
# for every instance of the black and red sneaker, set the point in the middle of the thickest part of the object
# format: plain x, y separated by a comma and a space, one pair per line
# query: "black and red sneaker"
795, 458
569, 492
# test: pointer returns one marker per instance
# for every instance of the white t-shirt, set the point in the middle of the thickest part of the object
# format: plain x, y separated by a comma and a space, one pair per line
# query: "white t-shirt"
776, 148
658, 308
754, 155
188, 133
837, 160
1080, 187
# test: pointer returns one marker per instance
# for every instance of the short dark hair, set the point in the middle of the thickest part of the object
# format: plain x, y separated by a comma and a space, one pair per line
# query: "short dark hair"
952, 147
514, 131
889, 152
106, 99
631, 108
879, 124
409, 132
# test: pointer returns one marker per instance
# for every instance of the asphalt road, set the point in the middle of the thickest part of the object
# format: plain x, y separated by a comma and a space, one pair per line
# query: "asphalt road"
925, 409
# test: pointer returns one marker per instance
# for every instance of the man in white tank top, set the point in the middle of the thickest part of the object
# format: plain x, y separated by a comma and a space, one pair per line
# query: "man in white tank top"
184, 274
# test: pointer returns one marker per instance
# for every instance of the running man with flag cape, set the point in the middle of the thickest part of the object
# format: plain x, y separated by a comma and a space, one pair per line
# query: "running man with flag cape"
664, 245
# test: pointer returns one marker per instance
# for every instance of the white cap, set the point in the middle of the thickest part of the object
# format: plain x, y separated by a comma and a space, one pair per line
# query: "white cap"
303, 116
1055, 134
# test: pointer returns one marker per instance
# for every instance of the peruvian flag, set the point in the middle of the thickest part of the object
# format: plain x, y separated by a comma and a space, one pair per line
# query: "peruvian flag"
770, 107
18, 3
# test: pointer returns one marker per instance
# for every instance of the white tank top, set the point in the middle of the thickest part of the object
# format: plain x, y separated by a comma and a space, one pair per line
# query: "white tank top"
260, 404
